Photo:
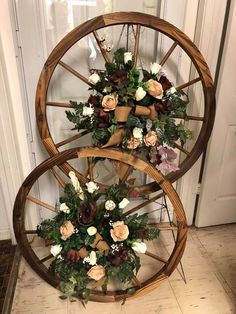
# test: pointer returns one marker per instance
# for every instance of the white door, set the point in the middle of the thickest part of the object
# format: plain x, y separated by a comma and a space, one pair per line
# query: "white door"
217, 204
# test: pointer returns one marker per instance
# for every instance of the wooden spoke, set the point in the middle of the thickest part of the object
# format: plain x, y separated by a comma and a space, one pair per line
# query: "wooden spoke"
90, 168
158, 258
74, 72
46, 258
58, 178
59, 104
136, 208
127, 173
195, 118
43, 204
136, 281
188, 83
169, 52
30, 231
190, 118
136, 46
102, 48
72, 138
182, 149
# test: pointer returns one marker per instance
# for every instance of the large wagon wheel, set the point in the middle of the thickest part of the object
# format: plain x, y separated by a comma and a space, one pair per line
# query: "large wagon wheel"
164, 264
137, 22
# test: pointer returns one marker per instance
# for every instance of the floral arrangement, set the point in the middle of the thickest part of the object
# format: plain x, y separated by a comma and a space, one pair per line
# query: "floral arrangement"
135, 110
92, 240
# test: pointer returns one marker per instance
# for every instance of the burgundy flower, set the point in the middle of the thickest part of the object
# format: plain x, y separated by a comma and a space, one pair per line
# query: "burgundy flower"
120, 77
72, 256
93, 100
102, 118
166, 84
119, 256
87, 212
163, 106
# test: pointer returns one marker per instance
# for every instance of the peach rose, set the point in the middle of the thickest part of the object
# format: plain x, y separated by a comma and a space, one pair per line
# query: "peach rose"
120, 231
155, 89
97, 272
133, 143
150, 139
66, 230
109, 102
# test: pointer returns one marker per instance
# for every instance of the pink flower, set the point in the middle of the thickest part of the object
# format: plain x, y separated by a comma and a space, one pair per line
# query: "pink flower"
167, 157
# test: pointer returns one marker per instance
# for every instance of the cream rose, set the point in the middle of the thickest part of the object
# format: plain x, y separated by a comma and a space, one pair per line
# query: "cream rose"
140, 94
92, 230
120, 231
123, 203
155, 68
92, 187
66, 230
127, 57
133, 143
139, 247
137, 132
55, 249
155, 89
94, 78
87, 111
96, 272
110, 205
64, 208
91, 259
76, 185
150, 139
171, 91
109, 102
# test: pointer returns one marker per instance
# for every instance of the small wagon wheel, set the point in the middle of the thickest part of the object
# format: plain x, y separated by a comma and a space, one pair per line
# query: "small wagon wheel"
163, 264
137, 22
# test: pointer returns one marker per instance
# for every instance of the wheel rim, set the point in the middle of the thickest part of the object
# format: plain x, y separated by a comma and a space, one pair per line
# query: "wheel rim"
37, 263
141, 20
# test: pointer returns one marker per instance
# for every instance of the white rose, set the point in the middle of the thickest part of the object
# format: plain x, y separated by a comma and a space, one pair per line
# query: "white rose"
127, 57
76, 185
88, 111
55, 249
92, 187
140, 93
64, 208
110, 205
171, 91
155, 68
139, 247
92, 231
123, 203
94, 78
91, 259
137, 132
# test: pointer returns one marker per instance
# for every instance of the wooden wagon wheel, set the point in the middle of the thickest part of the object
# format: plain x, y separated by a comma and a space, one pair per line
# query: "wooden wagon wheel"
164, 264
137, 22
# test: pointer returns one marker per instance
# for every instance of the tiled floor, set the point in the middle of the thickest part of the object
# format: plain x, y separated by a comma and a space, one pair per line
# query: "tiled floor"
210, 267
7, 252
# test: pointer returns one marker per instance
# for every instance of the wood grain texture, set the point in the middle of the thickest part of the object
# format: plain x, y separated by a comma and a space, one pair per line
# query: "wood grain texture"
140, 20
37, 263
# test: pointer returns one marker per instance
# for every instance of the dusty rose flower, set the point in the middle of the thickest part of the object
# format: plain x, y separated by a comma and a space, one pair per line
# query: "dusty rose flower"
97, 272
120, 231
133, 143
66, 230
150, 139
109, 102
155, 89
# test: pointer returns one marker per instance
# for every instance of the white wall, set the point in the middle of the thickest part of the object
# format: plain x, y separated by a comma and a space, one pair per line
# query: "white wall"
14, 161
